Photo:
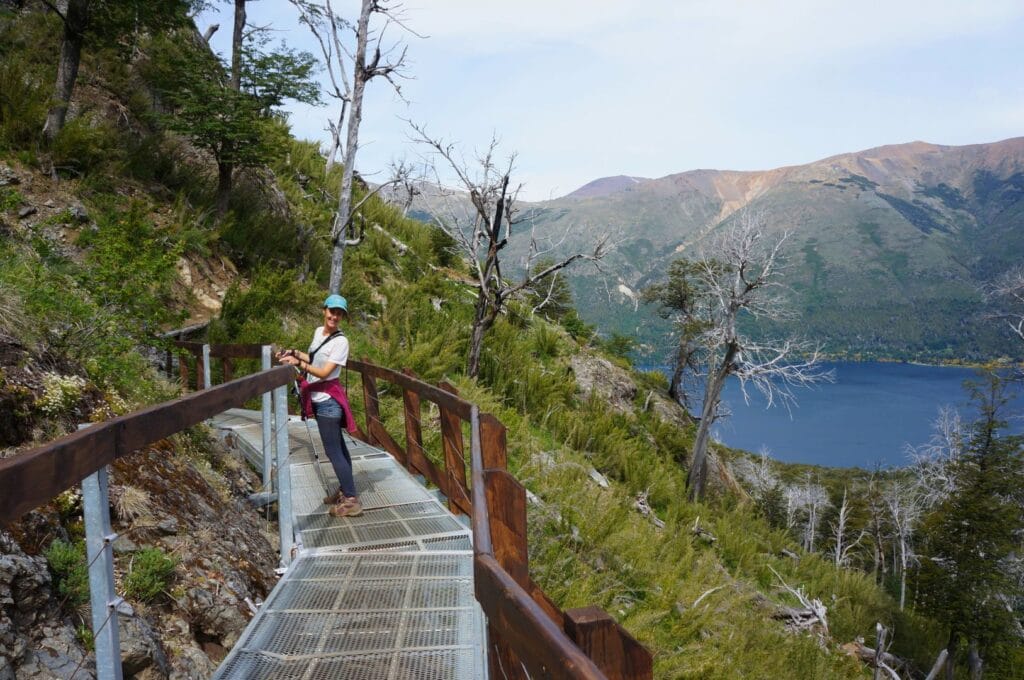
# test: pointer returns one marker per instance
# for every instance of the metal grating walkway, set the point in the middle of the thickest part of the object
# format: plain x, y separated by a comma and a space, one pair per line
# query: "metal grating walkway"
388, 594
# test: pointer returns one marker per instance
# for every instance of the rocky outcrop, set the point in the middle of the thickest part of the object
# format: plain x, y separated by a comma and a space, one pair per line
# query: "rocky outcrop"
34, 640
185, 497
615, 386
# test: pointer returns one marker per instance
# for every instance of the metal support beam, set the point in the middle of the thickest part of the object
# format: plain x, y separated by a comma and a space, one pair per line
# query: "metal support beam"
99, 539
268, 459
207, 382
284, 491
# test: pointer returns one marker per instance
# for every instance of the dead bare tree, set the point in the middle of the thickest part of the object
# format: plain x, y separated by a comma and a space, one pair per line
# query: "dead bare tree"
842, 547
737, 275
483, 231
372, 57
904, 505
933, 462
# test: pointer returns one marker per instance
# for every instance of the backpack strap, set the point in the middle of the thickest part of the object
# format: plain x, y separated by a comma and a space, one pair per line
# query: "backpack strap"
318, 347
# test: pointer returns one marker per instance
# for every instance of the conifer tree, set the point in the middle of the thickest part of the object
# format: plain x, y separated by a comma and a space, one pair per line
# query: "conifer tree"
972, 538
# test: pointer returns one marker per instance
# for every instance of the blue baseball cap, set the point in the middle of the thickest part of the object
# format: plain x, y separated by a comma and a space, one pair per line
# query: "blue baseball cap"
336, 302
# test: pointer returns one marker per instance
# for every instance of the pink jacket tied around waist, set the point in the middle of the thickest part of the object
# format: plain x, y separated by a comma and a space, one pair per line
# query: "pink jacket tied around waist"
334, 389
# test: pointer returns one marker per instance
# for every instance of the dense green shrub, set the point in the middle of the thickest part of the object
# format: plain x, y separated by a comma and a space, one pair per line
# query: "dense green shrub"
149, 575
85, 144
70, 573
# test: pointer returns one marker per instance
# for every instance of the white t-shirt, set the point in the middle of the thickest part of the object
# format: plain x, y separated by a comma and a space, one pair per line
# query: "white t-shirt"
334, 351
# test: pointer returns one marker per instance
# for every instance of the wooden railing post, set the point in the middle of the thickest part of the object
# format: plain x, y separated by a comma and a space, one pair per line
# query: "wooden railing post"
506, 504
416, 459
370, 404
454, 456
492, 443
615, 651
183, 369
227, 369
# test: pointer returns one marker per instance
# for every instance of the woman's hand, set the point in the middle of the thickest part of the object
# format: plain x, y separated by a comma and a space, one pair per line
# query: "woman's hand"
288, 357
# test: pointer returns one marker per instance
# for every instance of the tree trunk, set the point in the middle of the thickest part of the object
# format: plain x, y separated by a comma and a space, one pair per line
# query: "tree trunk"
225, 174
75, 23
675, 387
697, 476
975, 664
482, 321
343, 215
236, 46
954, 642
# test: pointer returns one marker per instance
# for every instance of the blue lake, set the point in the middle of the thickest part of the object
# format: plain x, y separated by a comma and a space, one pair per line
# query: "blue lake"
866, 416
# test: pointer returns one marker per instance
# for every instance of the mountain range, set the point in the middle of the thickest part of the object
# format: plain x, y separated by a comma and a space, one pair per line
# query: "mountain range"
888, 249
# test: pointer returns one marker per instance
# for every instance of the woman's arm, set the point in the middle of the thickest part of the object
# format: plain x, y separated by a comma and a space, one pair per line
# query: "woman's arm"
295, 358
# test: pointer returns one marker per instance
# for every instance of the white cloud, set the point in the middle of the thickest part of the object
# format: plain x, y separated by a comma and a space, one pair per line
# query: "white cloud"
587, 88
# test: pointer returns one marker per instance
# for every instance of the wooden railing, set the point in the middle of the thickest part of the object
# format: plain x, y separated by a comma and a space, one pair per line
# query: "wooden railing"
528, 635
34, 477
225, 353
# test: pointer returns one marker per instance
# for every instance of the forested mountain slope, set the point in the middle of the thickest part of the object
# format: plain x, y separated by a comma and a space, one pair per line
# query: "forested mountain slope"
889, 249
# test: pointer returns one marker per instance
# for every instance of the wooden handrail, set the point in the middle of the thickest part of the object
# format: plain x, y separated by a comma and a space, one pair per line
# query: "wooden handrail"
526, 629
34, 477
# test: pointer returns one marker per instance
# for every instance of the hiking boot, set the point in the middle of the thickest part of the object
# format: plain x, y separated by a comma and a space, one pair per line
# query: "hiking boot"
334, 498
349, 507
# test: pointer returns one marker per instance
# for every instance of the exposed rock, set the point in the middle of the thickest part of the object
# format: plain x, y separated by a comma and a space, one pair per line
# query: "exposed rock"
8, 177
614, 385
56, 654
140, 648
599, 377
27, 211
78, 214
168, 526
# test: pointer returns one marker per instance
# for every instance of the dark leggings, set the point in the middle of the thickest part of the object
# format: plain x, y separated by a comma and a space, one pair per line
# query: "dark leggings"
328, 421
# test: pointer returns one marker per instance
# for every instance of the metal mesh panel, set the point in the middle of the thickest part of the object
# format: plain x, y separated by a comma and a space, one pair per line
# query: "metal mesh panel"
256, 666
388, 594
434, 629
447, 663
295, 634
305, 595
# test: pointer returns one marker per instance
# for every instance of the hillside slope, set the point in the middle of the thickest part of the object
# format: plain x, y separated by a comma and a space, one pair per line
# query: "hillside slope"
889, 248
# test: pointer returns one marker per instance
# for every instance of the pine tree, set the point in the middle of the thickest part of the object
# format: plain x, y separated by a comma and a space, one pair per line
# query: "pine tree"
971, 538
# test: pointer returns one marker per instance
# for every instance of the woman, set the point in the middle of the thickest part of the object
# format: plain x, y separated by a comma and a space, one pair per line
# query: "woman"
323, 397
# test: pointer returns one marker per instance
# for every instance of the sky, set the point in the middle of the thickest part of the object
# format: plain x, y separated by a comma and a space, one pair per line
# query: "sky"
583, 89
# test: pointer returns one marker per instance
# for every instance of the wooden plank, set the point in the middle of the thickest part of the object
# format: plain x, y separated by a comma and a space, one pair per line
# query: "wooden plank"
417, 459
183, 371
492, 442
454, 457
553, 611
613, 650
425, 390
545, 650
502, 662
386, 441
35, 476
506, 509
372, 407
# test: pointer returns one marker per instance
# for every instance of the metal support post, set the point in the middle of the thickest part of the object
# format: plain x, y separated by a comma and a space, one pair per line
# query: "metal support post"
207, 383
268, 459
284, 491
99, 539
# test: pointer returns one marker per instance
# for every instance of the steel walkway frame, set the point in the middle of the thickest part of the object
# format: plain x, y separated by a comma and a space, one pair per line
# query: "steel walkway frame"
388, 594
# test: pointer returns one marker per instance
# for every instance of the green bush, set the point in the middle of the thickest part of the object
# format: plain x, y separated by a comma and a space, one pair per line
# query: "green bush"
9, 199
149, 575
84, 145
70, 573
